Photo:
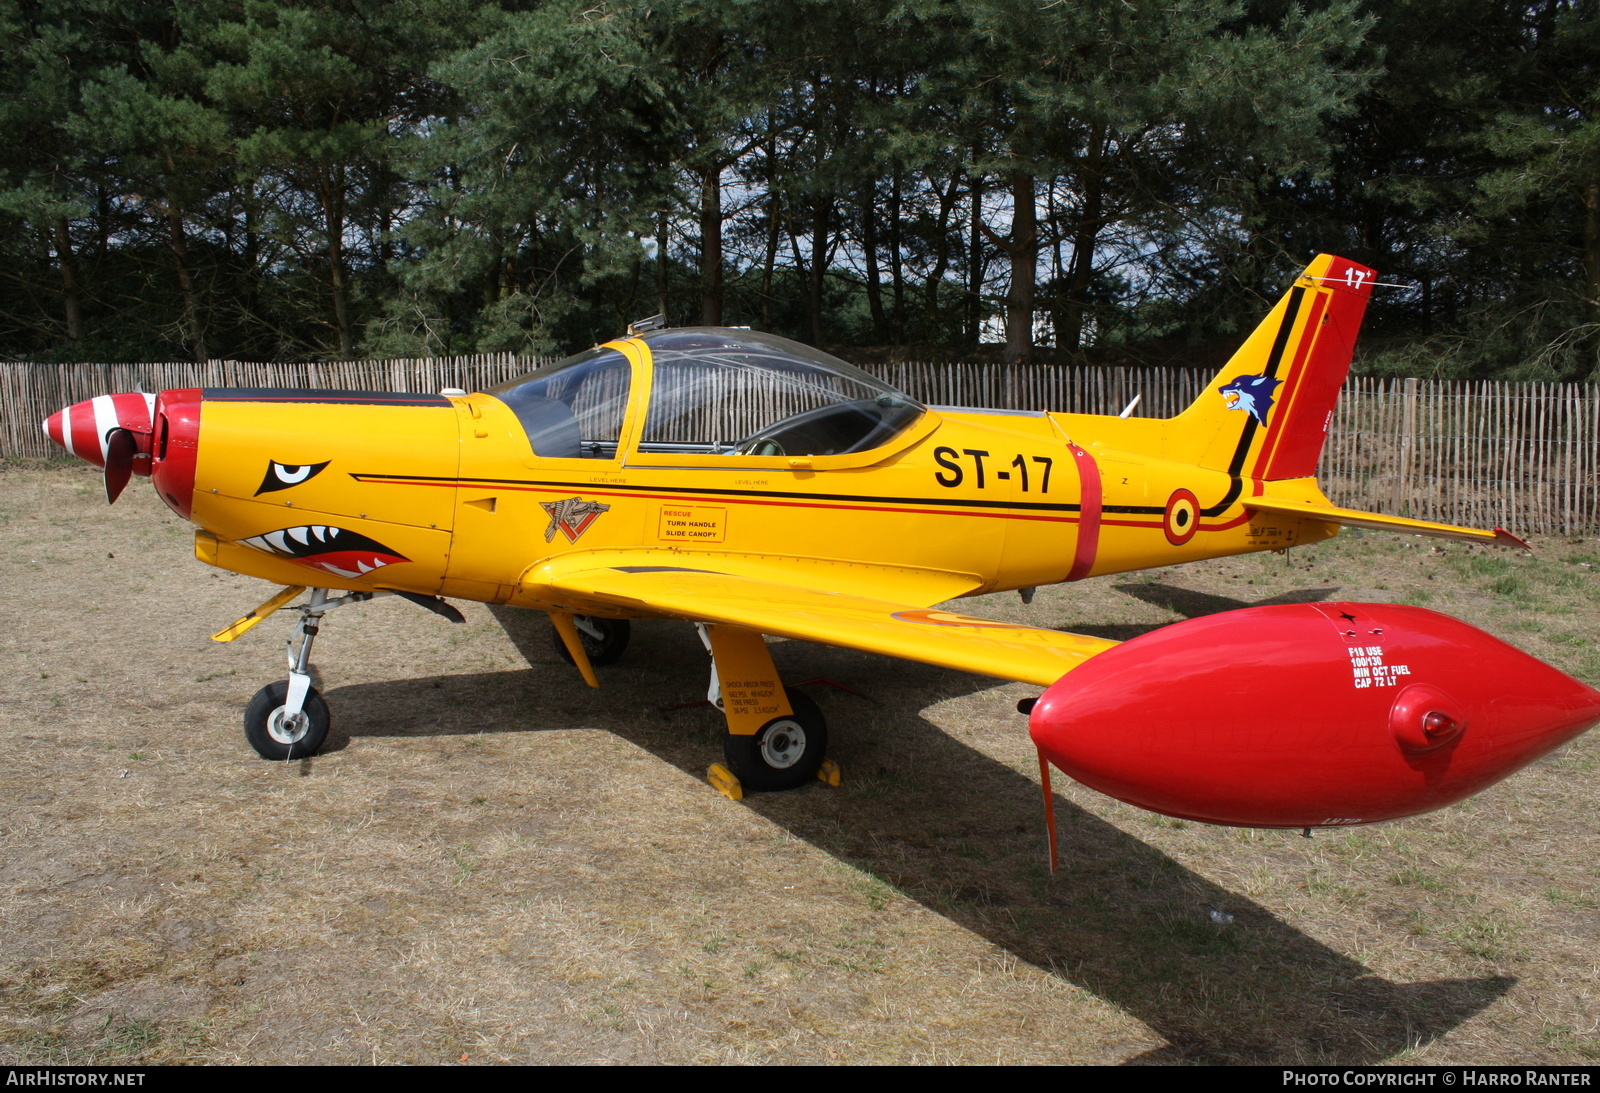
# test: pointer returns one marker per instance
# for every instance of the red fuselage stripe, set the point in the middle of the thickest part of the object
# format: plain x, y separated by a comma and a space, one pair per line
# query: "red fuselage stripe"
1089, 514
698, 499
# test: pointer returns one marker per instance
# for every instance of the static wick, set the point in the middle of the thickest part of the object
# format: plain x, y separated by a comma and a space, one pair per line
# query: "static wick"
1049, 808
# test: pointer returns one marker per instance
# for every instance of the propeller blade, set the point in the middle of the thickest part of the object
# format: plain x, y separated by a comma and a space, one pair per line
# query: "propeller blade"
120, 450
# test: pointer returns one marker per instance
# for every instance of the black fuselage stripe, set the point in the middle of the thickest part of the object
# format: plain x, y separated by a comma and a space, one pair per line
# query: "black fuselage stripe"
952, 502
318, 395
1247, 435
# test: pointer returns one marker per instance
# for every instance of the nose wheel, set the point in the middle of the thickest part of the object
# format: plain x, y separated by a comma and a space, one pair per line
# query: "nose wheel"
276, 733
289, 719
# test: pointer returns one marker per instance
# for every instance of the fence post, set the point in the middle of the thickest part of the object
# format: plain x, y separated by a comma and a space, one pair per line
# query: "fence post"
1408, 449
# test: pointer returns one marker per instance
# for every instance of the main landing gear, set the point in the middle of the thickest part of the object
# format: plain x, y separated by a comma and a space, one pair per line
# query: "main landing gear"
604, 640
289, 719
776, 738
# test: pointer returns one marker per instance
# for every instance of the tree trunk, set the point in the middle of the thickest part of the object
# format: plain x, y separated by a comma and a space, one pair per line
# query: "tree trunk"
897, 270
191, 302
1023, 247
1084, 240
869, 243
662, 284
387, 181
770, 261
102, 223
975, 264
711, 246
71, 293
1591, 240
941, 256
178, 239
333, 211
823, 204
494, 284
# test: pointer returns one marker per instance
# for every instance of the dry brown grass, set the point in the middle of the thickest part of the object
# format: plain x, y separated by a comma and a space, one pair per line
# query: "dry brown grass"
493, 861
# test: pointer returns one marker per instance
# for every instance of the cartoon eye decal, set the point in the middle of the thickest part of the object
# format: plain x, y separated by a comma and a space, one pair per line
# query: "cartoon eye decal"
280, 476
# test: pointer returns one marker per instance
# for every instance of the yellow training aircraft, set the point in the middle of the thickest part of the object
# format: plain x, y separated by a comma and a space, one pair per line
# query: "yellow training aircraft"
755, 486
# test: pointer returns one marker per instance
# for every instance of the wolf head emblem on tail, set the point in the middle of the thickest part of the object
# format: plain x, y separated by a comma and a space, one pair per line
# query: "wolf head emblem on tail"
1252, 394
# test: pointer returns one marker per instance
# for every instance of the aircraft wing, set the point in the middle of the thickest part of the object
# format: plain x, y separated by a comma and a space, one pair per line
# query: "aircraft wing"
703, 593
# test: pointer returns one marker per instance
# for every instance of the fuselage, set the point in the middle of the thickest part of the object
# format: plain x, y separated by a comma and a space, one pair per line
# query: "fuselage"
447, 495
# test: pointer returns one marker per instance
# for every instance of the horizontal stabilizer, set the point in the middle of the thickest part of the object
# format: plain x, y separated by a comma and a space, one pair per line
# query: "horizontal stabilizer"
1377, 521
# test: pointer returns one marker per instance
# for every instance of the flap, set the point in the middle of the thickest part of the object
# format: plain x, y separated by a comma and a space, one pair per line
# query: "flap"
704, 594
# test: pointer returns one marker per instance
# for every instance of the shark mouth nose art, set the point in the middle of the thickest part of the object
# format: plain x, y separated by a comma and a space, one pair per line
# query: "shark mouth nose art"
339, 551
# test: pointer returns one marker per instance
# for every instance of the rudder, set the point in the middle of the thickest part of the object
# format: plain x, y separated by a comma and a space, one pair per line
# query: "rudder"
1266, 414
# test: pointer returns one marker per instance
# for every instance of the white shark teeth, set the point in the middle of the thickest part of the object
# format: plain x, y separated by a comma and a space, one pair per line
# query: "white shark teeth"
299, 535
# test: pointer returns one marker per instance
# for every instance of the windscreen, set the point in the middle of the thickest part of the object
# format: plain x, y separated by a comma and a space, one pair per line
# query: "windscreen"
573, 408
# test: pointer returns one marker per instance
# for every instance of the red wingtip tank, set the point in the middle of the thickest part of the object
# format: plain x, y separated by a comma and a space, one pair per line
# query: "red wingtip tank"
1307, 715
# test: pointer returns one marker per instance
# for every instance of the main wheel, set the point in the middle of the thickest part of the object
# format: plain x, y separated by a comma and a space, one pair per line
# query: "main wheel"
275, 736
785, 753
603, 639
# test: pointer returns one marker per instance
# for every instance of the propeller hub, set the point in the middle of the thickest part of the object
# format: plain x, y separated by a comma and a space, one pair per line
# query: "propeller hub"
84, 428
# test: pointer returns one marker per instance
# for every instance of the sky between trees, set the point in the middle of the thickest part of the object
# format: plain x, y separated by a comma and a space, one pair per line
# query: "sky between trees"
1086, 179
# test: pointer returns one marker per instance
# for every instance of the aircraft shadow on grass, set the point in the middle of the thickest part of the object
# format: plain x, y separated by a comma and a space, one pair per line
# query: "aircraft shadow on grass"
960, 833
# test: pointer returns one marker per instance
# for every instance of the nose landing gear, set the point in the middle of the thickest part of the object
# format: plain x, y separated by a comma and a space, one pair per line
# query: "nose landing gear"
289, 719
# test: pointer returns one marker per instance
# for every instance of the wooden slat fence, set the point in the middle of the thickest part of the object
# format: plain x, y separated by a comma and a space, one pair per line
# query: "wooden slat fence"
1524, 456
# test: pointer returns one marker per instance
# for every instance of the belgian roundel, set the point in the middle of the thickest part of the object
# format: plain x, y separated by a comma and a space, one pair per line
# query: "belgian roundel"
1182, 518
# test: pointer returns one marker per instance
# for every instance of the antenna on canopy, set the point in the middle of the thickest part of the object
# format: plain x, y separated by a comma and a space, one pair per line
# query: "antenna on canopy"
644, 326
1128, 409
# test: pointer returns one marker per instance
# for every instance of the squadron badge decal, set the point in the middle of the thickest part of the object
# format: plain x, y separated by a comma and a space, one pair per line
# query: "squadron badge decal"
1252, 394
571, 517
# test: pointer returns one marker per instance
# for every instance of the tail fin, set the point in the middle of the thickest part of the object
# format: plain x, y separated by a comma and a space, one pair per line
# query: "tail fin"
1266, 414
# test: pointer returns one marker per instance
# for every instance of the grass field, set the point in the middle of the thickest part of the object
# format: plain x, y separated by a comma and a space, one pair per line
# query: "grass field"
491, 862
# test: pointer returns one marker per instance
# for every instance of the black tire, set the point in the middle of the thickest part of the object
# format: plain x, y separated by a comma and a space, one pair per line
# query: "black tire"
606, 649
264, 728
786, 753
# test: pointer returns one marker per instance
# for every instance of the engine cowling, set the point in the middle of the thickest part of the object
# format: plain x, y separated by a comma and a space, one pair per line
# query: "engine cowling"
1307, 715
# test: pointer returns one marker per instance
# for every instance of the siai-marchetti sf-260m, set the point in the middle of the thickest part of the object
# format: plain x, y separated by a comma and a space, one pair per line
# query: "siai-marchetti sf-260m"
755, 486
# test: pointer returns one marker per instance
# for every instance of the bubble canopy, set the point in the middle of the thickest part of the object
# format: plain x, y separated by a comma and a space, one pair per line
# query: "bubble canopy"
713, 391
